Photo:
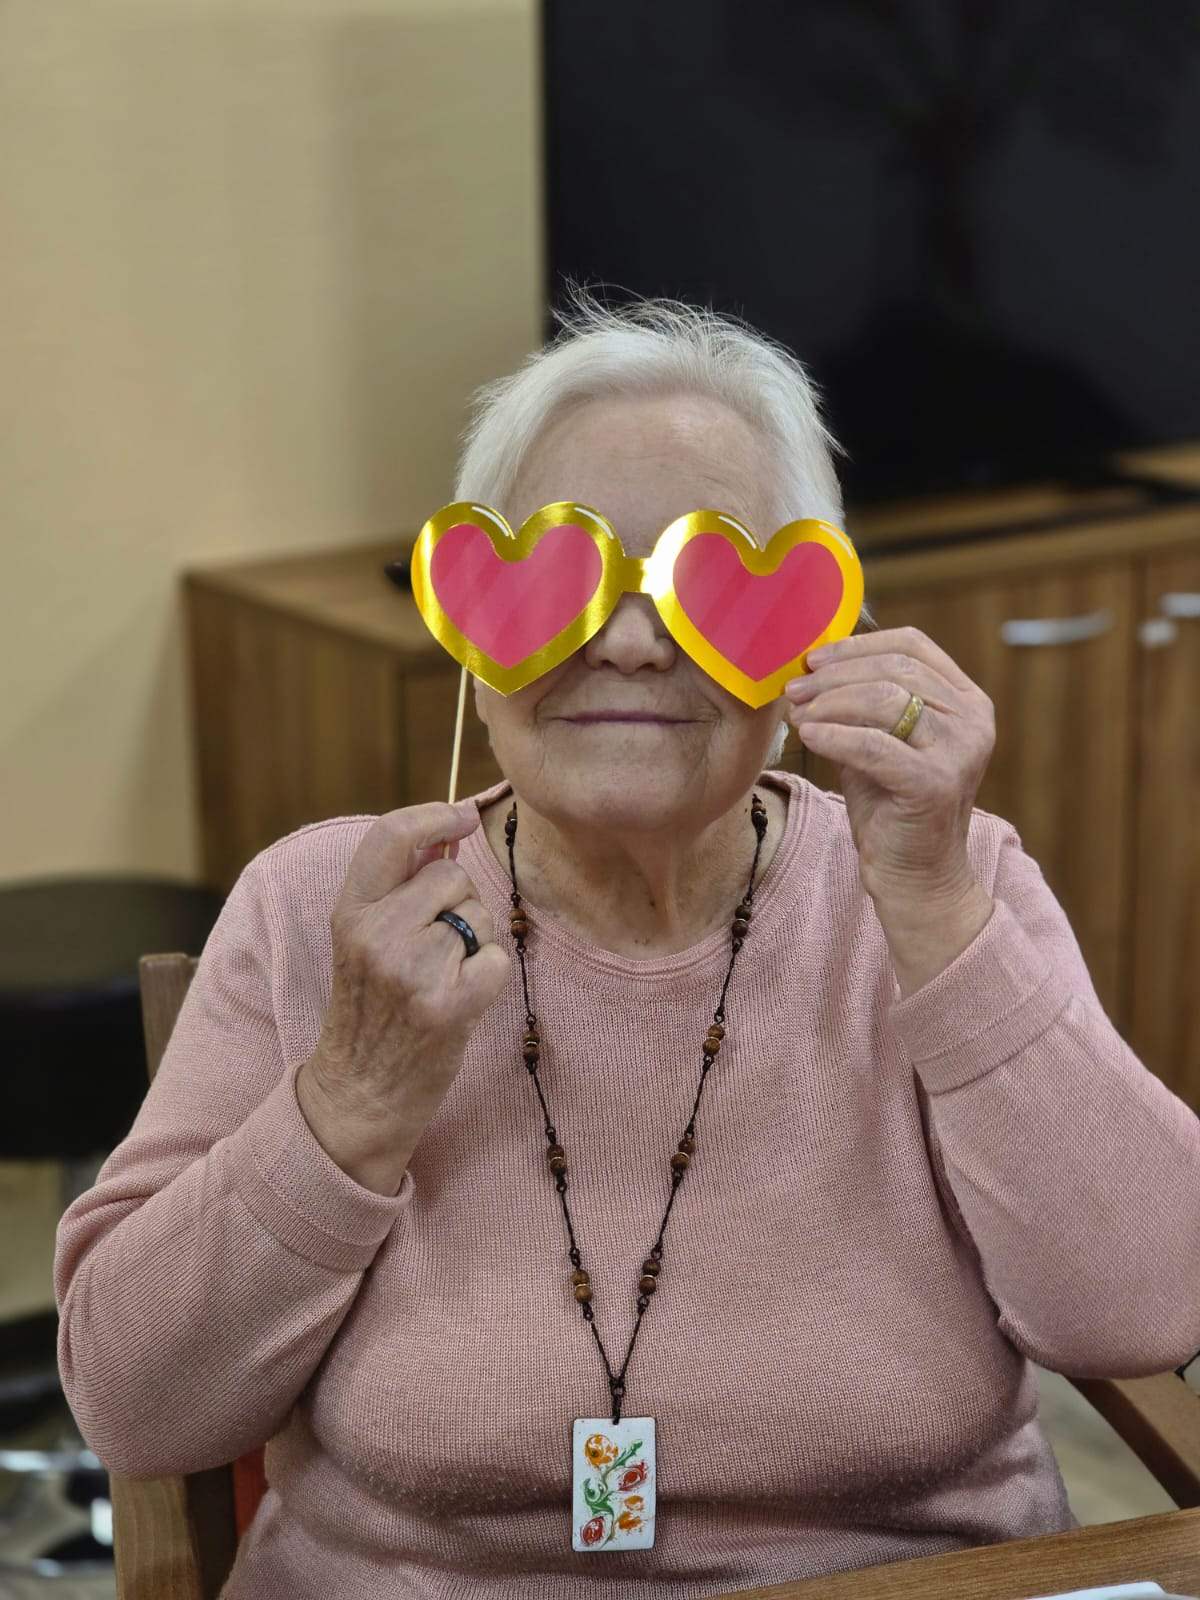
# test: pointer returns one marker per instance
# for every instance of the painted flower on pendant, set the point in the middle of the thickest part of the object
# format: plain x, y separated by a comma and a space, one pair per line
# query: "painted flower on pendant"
600, 1450
616, 1471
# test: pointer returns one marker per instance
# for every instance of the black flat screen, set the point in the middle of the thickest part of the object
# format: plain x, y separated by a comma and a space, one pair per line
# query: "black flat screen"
977, 223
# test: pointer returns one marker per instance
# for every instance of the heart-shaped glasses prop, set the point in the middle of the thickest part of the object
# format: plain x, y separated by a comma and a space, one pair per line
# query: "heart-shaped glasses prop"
511, 606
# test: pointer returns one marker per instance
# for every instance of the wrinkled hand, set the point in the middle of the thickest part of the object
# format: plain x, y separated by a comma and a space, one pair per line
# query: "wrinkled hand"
908, 802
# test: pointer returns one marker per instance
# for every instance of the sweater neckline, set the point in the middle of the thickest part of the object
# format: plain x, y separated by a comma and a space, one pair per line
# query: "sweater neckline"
692, 970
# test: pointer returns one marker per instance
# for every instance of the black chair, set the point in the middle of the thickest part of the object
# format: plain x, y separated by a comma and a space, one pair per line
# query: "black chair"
75, 1075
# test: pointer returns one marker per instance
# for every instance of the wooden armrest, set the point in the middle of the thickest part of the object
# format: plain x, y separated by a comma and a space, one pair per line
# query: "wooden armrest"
173, 1535
1159, 1419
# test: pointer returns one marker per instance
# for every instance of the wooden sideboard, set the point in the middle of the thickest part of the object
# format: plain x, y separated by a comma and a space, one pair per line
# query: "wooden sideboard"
318, 692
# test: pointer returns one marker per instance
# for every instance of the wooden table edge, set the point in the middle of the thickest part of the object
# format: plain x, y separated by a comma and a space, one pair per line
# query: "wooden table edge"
1163, 1549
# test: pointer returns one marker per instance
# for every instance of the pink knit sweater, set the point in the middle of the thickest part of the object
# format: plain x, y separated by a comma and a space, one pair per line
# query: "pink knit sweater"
893, 1204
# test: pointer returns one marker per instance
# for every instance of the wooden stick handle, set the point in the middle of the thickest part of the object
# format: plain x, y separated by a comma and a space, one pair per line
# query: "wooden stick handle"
458, 728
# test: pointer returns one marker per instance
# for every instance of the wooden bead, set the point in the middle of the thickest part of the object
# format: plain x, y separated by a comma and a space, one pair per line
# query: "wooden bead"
745, 910
717, 1031
652, 1266
533, 1052
687, 1143
579, 1276
583, 1292
712, 1045
681, 1161
532, 1036
518, 927
648, 1284
741, 927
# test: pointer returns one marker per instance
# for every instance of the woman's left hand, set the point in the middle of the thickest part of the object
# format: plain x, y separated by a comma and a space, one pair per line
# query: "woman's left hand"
908, 801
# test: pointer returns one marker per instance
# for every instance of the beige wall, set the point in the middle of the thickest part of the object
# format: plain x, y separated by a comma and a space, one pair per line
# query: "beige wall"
253, 258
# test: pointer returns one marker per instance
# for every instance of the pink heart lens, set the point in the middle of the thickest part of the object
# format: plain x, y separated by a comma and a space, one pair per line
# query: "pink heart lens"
511, 609
760, 624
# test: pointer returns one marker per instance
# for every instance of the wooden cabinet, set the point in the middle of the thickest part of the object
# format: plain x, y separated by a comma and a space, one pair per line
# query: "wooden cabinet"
1162, 950
318, 692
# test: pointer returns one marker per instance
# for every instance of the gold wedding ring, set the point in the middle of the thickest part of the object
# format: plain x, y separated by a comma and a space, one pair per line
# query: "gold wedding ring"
909, 720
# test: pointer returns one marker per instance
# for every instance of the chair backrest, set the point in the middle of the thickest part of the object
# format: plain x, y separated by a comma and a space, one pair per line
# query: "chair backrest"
177, 1536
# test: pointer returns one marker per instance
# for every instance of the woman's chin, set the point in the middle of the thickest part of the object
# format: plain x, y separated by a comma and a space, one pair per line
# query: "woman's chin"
627, 775
622, 793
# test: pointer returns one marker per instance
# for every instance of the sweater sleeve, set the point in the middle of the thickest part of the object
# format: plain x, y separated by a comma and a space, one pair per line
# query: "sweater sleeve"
201, 1279
1074, 1169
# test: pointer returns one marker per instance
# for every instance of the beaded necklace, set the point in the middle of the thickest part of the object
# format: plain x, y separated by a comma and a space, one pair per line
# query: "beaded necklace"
614, 1473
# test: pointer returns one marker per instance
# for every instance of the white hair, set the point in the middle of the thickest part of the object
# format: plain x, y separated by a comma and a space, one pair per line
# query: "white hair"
655, 347
658, 347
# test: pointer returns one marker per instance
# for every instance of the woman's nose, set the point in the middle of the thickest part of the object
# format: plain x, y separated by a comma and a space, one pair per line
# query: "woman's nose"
632, 637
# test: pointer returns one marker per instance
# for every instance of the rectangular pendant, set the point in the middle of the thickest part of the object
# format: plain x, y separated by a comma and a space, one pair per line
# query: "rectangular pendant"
614, 1483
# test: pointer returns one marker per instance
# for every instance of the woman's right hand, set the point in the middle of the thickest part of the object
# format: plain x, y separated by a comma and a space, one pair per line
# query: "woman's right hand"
406, 997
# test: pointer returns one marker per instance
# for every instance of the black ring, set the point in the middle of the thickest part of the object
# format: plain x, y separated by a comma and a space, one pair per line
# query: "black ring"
460, 925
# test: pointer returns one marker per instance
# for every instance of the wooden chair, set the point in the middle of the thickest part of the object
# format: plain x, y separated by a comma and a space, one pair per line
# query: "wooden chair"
175, 1537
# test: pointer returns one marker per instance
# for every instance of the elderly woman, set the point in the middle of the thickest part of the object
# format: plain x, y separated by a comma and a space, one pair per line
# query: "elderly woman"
786, 1119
